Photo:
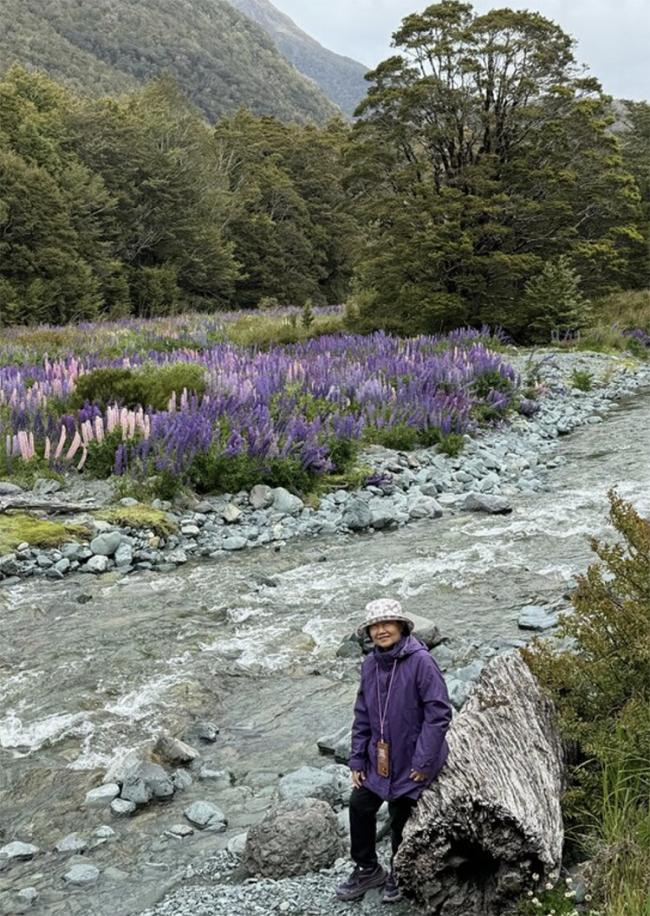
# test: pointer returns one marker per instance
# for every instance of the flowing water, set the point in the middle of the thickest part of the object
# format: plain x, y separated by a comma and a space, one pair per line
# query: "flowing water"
90, 668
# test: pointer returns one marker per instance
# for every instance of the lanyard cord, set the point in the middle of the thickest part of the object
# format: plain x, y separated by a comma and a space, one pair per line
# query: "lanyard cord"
382, 713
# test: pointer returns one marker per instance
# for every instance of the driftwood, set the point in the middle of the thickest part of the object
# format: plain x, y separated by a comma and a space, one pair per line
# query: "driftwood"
493, 817
35, 505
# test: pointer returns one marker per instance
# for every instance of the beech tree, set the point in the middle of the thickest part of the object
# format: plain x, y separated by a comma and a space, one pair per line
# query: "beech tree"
482, 151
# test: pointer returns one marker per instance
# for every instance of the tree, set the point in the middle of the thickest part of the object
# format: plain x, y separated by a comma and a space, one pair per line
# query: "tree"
481, 152
553, 303
635, 147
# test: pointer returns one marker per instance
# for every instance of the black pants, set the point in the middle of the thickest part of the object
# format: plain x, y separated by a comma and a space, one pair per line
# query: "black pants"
364, 806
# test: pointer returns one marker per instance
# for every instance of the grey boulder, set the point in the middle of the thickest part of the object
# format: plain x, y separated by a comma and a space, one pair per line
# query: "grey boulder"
105, 544
261, 496
536, 617
482, 502
17, 851
329, 784
81, 875
286, 503
175, 751
205, 815
102, 796
357, 515
294, 838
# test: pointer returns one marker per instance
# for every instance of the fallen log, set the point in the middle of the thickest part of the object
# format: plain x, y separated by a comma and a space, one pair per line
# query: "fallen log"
32, 505
492, 820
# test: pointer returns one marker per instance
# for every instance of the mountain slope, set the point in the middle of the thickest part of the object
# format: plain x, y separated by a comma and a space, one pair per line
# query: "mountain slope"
341, 78
220, 59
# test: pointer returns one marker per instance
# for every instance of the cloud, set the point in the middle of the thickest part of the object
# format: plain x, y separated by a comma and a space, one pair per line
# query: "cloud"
613, 35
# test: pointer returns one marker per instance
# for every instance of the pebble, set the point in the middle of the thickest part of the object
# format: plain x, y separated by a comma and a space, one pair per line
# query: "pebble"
102, 796
81, 875
17, 851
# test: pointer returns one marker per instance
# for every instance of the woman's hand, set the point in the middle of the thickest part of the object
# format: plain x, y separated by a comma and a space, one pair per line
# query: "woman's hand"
417, 776
358, 778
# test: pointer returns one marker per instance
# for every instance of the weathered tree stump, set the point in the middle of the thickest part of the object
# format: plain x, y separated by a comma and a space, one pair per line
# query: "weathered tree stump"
493, 817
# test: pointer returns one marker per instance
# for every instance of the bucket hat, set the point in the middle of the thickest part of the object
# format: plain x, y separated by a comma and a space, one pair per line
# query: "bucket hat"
379, 611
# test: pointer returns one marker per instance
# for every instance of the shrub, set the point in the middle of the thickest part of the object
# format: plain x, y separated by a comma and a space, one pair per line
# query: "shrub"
268, 304
100, 462
400, 437
151, 386
160, 382
452, 444
107, 386
307, 316
553, 303
582, 380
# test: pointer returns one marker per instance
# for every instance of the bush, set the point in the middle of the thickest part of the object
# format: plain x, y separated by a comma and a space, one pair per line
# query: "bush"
151, 386
100, 462
402, 438
603, 683
213, 472
582, 380
160, 382
107, 386
553, 303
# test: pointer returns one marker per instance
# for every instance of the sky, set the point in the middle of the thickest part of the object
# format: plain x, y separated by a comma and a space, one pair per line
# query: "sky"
613, 35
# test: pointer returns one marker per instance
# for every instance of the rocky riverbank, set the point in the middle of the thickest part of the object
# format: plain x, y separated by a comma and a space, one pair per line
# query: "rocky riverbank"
493, 467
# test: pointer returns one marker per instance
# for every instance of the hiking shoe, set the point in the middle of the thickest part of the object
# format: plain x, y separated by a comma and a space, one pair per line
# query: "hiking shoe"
360, 881
392, 891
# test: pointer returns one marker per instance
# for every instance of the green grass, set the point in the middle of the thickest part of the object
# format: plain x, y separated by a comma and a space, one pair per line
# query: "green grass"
140, 516
22, 528
257, 329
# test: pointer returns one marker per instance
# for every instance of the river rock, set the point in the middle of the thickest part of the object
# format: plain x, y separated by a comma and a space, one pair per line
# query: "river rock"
28, 895
328, 743
424, 507
261, 496
104, 832
286, 503
537, 617
236, 542
219, 779
81, 875
330, 784
237, 844
72, 843
174, 751
482, 502
102, 796
122, 808
231, 513
45, 486
204, 814
357, 515
177, 556
294, 838
9, 489
124, 554
97, 564
181, 779
9, 565
105, 545
181, 830
146, 781
381, 513
350, 648
207, 731
17, 851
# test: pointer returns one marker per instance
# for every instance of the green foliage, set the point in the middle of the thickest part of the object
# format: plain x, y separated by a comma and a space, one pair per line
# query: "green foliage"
100, 461
602, 686
582, 379
307, 316
481, 153
20, 528
140, 516
553, 304
151, 386
26, 473
215, 472
451, 444
219, 58
399, 437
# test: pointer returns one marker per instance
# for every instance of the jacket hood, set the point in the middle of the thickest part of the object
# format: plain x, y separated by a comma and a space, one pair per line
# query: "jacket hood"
406, 646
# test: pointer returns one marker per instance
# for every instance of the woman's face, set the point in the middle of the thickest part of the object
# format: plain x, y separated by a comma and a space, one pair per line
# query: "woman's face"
386, 633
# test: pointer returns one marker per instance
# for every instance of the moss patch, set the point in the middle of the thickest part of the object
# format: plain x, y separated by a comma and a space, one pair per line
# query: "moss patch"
139, 516
20, 528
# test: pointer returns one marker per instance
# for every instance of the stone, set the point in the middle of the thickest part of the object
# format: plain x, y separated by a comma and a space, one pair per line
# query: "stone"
424, 507
381, 513
237, 844
180, 830
81, 875
124, 555
357, 515
190, 530
9, 566
221, 779
72, 843
482, 502
177, 556
261, 496
350, 648
181, 779
18, 851
28, 895
175, 751
537, 617
146, 781
294, 838
102, 796
204, 814
105, 545
286, 503
9, 489
428, 633
44, 486
315, 782
234, 543
63, 565
207, 731
97, 564
122, 808
328, 743
104, 832
231, 513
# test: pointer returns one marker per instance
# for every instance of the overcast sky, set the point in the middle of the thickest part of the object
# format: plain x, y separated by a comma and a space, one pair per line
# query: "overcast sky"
613, 35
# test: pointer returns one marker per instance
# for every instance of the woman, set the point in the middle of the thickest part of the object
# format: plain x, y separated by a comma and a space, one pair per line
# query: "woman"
401, 715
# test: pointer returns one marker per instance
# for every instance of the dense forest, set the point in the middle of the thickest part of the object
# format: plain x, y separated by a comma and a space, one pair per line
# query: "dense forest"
341, 78
482, 182
220, 59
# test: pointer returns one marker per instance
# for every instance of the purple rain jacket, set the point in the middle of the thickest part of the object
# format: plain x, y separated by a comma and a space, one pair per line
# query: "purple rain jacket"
417, 719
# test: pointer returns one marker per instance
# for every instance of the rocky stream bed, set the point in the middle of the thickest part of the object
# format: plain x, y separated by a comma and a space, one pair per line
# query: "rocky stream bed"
245, 653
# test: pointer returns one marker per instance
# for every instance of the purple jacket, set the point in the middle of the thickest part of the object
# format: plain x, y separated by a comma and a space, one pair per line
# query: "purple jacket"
417, 719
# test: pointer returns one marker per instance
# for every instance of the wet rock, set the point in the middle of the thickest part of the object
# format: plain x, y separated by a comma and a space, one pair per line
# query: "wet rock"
237, 844
231, 514
357, 515
177, 556
104, 832
72, 843
124, 554
350, 648
28, 895
180, 830
146, 781
444, 656
174, 751
207, 731
102, 796
428, 633
9, 566
381, 513
105, 545
122, 808
286, 503
181, 779
98, 564
328, 743
219, 779
17, 851
330, 784
261, 496
294, 838
81, 875
44, 486
424, 507
482, 502
204, 814
537, 617
78, 552
234, 543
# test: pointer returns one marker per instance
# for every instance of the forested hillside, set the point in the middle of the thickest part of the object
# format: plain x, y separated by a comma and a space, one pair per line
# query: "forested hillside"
341, 78
219, 58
